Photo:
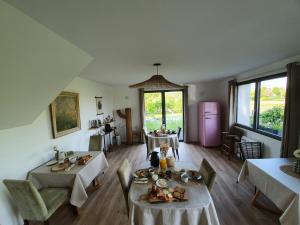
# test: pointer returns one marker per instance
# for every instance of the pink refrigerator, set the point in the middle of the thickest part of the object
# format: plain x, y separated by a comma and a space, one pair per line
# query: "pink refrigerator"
209, 124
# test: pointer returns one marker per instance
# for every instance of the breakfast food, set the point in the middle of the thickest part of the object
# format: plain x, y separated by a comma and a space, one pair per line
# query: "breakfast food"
162, 182
179, 193
157, 194
82, 160
142, 173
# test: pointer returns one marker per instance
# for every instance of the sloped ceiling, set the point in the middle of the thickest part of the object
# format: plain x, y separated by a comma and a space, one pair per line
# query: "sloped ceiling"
35, 65
195, 40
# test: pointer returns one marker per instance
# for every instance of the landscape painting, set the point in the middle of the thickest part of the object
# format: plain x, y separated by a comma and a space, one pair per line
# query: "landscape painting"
65, 114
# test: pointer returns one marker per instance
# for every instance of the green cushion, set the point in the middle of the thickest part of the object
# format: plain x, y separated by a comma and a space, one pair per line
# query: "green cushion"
54, 198
208, 174
28, 199
32, 204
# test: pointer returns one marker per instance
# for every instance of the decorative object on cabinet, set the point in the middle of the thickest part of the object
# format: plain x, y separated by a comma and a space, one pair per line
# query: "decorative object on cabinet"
97, 123
65, 114
99, 105
127, 117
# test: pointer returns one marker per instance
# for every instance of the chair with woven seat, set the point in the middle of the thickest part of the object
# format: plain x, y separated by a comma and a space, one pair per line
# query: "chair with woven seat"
250, 150
208, 174
125, 177
35, 205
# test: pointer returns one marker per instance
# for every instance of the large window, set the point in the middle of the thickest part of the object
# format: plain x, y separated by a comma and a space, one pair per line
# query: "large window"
245, 110
164, 107
260, 105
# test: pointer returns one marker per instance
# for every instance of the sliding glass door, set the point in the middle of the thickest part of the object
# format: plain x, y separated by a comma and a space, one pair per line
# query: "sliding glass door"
164, 107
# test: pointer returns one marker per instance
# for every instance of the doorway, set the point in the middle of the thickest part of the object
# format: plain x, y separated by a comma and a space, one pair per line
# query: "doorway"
164, 107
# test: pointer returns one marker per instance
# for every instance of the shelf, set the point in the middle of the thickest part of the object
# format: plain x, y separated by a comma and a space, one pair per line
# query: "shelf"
95, 128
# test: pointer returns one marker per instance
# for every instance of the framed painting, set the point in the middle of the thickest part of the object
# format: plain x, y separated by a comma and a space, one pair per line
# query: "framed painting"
65, 114
99, 105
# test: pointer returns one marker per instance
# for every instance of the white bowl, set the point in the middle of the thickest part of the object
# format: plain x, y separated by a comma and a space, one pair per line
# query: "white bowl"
72, 160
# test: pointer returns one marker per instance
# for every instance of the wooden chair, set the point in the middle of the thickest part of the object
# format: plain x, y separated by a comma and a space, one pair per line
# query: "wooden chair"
208, 174
125, 177
178, 135
178, 132
146, 140
35, 205
230, 139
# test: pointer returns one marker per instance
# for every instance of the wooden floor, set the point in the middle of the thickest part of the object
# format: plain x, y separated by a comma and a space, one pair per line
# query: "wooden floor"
106, 205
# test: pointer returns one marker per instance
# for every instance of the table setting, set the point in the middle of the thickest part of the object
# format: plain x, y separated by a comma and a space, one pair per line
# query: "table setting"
170, 194
162, 136
277, 175
74, 170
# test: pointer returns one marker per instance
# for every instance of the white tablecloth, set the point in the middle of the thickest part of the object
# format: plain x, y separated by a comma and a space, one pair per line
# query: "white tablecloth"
155, 142
281, 188
78, 178
198, 210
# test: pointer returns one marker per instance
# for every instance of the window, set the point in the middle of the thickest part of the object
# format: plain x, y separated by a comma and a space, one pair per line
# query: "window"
245, 110
260, 105
164, 107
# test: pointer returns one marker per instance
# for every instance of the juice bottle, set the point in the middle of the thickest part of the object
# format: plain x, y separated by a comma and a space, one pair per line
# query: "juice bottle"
163, 163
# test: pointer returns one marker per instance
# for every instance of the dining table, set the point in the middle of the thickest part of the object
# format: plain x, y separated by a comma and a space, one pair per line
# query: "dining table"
274, 177
156, 141
77, 179
199, 208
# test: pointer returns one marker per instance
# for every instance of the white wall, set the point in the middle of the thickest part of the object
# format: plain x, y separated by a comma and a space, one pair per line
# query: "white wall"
35, 64
23, 148
205, 91
125, 97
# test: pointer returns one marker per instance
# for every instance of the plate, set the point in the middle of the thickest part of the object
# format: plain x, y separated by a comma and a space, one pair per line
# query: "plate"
51, 163
194, 174
59, 167
162, 183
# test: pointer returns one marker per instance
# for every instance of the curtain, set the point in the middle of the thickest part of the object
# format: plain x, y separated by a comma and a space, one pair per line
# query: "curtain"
142, 113
291, 125
186, 114
232, 92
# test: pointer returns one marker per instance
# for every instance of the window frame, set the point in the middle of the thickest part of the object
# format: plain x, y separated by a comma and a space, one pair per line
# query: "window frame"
257, 82
163, 104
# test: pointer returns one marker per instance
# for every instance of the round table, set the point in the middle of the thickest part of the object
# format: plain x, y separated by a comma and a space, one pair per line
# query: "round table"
156, 141
198, 210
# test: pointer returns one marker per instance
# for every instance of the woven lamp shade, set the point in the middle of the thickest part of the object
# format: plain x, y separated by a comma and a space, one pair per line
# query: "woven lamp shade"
157, 83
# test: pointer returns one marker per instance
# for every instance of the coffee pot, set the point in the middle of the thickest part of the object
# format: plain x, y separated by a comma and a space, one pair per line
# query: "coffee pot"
154, 159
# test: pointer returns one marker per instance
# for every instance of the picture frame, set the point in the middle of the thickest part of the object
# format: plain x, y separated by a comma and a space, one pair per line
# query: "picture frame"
65, 114
99, 105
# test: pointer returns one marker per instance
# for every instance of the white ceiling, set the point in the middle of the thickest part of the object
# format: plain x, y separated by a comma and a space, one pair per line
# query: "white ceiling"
194, 40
